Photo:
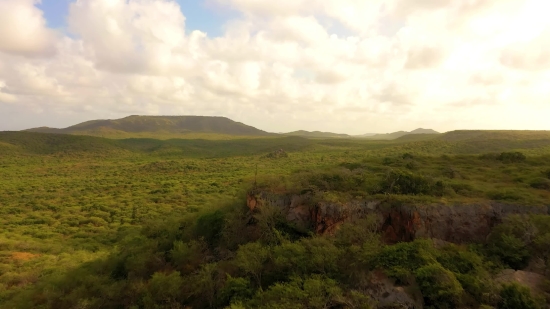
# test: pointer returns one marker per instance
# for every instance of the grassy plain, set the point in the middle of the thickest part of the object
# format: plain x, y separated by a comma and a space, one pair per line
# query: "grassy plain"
66, 199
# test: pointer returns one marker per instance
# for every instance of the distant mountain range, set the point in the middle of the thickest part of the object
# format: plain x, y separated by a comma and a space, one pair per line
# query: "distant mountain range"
398, 134
177, 125
317, 134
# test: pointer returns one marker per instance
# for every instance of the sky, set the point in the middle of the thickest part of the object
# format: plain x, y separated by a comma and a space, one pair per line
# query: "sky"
347, 66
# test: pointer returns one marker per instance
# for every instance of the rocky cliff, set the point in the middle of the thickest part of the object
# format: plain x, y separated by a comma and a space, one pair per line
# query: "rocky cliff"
454, 223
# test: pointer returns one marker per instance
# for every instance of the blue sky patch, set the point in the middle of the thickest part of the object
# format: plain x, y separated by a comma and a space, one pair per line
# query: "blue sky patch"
198, 15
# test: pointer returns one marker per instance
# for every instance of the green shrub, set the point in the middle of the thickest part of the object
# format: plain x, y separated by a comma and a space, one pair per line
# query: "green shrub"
351, 166
165, 288
464, 189
388, 161
516, 296
403, 182
315, 292
511, 157
489, 156
504, 195
399, 261
540, 183
235, 290
505, 242
439, 287
209, 226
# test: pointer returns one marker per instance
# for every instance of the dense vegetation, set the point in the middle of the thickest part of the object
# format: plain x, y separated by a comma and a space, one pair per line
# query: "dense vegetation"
143, 223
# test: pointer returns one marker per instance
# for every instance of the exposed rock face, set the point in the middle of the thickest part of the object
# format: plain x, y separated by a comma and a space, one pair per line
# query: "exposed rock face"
387, 295
454, 223
532, 280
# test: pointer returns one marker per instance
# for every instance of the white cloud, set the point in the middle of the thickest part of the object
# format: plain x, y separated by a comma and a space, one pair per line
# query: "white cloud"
400, 64
23, 29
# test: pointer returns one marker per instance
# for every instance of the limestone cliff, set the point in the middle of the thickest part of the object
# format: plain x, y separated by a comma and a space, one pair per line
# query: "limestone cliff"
454, 223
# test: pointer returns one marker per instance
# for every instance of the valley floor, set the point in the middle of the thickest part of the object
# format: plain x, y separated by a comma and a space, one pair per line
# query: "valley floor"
95, 223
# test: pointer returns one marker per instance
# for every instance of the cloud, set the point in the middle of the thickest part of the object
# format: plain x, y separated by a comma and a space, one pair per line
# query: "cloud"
130, 37
282, 65
23, 29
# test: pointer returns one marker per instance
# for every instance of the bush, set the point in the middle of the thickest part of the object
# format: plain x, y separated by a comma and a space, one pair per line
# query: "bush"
464, 189
312, 292
439, 286
541, 183
516, 296
399, 261
511, 157
489, 156
506, 157
210, 226
235, 290
164, 289
504, 195
403, 182
506, 242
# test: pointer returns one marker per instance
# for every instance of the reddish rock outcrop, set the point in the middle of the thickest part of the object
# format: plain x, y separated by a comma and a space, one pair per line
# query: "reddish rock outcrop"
454, 223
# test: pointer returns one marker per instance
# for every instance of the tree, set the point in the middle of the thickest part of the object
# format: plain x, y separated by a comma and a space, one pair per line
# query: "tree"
164, 290
439, 286
516, 296
251, 258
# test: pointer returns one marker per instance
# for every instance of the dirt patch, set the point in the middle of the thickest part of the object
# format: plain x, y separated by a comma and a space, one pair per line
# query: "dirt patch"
23, 256
529, 279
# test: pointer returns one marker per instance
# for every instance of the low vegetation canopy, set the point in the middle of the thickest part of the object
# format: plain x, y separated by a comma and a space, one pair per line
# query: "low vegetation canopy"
90, 222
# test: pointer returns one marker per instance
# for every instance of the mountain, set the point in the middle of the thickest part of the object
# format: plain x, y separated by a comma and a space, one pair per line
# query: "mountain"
423, 131
316, 134
365, 135
398, 134
158, 124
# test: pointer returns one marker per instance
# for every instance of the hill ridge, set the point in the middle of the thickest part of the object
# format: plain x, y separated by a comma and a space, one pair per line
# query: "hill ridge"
159, 123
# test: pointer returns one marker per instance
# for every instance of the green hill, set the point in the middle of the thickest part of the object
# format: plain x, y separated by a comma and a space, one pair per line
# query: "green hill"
47, 143
36, 143
461, 135
317, 134
158, 124
398, 134
416, 137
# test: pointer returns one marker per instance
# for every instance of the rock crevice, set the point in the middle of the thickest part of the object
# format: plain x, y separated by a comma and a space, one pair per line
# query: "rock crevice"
455, 223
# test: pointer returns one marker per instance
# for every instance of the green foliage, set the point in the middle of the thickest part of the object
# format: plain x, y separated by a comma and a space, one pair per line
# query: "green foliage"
505, 157
511, 250
187, 256
96, 223
515, 296
251, 259
235, 290
509, 242
403, 182
401, 260
511, 157
164, 290
540, 183
209, 226
439, 287
520, 238
469, 269
311, 292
